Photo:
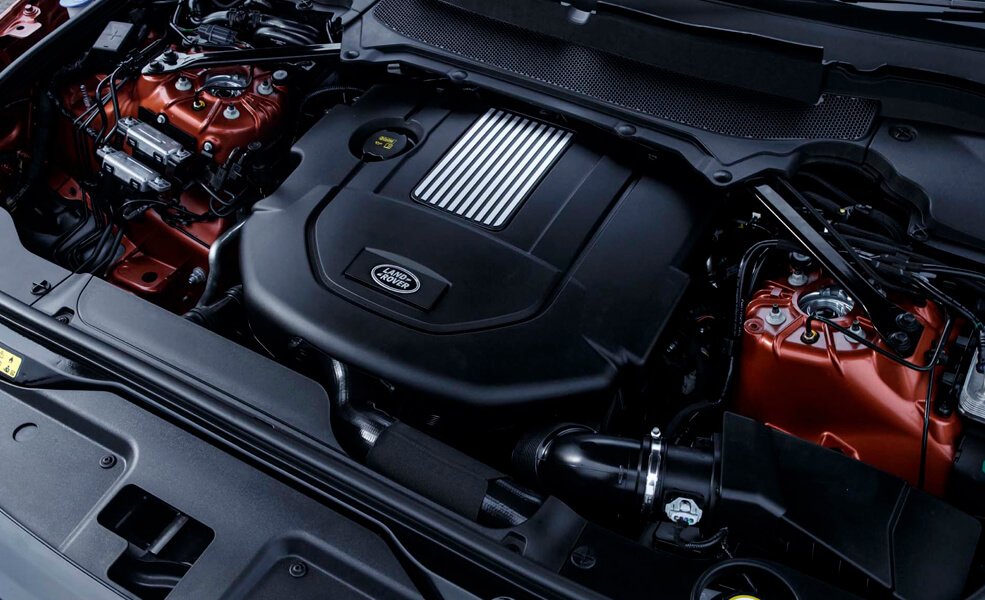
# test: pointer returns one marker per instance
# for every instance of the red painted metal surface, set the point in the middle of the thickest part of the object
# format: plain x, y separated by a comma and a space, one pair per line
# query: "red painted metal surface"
838, 393
207, 119
23, 23
160, 257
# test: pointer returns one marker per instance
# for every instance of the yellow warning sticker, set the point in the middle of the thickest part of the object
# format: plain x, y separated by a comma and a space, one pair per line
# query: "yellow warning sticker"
10, 363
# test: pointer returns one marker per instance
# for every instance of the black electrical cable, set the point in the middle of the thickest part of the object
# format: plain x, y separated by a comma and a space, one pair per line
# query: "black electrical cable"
751, 254
841, 243
714, 541
924, 438
932, 364
689, 413
875, 348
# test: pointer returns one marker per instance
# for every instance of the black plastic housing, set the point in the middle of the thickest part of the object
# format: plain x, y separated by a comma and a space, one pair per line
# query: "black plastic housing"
565, 298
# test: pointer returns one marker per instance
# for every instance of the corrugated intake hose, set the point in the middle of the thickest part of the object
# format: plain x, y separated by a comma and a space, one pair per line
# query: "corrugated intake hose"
424, 464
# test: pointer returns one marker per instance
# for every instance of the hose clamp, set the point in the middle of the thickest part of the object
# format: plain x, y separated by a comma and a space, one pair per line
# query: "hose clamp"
652, 471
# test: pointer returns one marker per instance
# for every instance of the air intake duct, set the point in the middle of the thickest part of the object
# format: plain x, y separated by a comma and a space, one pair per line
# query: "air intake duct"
766, 487
424, 464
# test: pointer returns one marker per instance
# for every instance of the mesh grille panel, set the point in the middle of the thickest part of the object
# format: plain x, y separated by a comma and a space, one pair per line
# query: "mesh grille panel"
624, 83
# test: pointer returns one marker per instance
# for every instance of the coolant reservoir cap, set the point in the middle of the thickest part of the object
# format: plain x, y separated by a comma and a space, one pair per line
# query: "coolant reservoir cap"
384, 145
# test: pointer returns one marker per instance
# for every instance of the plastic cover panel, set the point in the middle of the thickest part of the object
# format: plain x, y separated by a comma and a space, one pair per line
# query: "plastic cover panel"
624, 83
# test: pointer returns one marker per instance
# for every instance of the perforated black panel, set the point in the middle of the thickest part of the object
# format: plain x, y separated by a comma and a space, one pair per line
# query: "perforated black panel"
624, 83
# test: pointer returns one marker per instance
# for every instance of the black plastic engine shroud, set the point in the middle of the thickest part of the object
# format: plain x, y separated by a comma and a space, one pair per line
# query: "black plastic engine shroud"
570, 294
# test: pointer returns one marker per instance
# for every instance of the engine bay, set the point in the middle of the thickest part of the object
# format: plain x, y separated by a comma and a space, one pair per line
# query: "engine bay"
772, 385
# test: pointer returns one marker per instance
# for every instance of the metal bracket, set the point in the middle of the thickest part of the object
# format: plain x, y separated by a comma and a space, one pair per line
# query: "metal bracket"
171, 61
887, 318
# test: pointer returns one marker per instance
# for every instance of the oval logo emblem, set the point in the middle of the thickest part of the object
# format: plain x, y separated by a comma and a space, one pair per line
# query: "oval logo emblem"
395, 279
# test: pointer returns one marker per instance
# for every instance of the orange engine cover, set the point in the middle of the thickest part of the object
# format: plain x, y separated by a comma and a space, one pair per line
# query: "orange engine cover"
839, 394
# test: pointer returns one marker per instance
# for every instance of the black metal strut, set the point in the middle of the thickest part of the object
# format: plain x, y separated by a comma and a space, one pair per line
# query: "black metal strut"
897, 327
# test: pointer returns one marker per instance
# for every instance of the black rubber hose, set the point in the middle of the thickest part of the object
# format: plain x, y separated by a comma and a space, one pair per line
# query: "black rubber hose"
357, 428
424, 464
39, 148
604, 474
595, 472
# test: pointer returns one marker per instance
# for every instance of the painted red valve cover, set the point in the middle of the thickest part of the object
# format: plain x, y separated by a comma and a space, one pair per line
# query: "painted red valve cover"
839, 394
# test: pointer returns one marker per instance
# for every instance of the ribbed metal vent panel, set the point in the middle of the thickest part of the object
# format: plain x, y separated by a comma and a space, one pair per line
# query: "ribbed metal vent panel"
493, 167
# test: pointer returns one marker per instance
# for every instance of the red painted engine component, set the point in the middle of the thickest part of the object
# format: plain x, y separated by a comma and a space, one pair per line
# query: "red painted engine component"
218, 109
249, 109
839, 394
23, 23
222, 119
160, 258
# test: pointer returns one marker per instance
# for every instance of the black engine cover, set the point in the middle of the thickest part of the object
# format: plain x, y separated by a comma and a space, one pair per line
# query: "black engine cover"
558, 296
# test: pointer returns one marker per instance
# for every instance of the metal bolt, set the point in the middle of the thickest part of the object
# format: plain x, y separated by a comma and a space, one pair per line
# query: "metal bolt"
584, 557
810, 337
107, 462
798, 278
776, 316
350, 54
231, 112
298, 569
280, 75
183, 84
208, 147
722, 176
161, 119
265, 88
197, 276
